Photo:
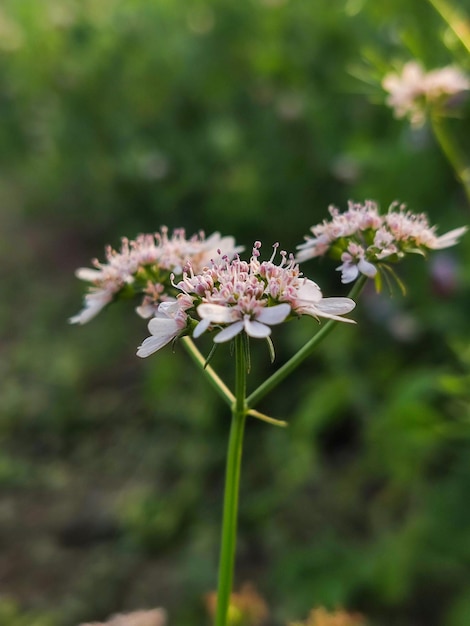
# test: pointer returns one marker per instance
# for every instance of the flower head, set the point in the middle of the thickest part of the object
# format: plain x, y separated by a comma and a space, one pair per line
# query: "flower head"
144, 265
363, 239
413, 91
232, 296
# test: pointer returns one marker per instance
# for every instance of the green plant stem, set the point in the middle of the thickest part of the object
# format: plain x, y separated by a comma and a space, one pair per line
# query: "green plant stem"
215, 380
232, 485
456, 20
452, 152
301, 355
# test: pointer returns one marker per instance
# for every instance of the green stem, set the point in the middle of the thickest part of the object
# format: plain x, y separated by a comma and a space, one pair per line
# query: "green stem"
301, 355
452, 152
456, 20
232, 486
213, 378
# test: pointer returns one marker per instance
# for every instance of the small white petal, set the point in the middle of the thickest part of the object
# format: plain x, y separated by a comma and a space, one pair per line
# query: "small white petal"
216, 313
305, 254
256, 329
168, 308
274, 314
349, 272
94, 303
145, 311
201, 328
309, 291
229, 333
163, 327
332, 310
337, 306
449, 239
88, 274
366, 268
152, 344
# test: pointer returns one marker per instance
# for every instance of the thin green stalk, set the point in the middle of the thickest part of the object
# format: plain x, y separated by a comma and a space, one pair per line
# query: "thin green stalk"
452, 152
213, 378
232, 486
457, 21
301, 355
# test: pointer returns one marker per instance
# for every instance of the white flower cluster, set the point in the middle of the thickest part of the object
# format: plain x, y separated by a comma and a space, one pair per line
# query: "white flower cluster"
234, 296
413, 91
190, 286
144, 265
362, 238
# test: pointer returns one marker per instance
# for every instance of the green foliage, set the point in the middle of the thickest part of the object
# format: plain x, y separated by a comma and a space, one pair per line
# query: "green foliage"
249, 118
12, 615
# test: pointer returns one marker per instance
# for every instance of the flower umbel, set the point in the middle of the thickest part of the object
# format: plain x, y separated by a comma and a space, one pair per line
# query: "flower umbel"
414, 91
233, 296
363, 239
144, 265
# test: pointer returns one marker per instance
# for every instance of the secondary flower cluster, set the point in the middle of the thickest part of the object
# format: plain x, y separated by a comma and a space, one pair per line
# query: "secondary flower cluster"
144, 265
413, 91
232, 295
363, 239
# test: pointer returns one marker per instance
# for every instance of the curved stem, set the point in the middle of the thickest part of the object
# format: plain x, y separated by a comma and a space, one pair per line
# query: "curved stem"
232, 486
301, 355
452, 152
213, 378
267, 419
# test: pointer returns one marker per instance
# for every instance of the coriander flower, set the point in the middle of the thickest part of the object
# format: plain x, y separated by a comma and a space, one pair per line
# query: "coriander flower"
413, 91
310, 301
232, 296
169, 322
364, 239
255, 321
144, 265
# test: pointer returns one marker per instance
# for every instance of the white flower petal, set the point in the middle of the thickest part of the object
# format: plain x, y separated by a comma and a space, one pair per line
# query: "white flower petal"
217, 313
201, 328
163, 330
151, 345
305, 253
88, 274
94, 303
366, 268
146, 311
332, 308
349, 272
229, 333
274, 314
163, 326
256, 329
448, 239
337, 306
168, 308
309, 291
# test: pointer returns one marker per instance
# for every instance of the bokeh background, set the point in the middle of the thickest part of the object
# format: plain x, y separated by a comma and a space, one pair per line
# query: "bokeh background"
249, 118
